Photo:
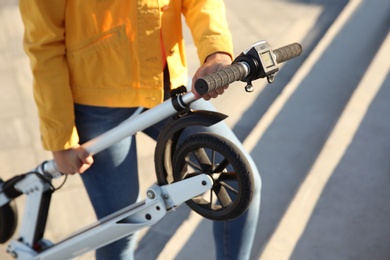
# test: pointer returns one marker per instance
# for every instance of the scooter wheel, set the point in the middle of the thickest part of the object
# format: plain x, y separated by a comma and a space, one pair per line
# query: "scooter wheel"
232, 176
8, 221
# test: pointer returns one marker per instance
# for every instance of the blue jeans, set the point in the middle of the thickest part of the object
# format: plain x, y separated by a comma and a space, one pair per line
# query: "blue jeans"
112, 182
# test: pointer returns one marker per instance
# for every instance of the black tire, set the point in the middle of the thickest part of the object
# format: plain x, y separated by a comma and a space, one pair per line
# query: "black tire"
8, 221
216, 156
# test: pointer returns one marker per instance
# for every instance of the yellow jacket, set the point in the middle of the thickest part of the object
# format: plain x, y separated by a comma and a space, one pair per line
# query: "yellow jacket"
111, 53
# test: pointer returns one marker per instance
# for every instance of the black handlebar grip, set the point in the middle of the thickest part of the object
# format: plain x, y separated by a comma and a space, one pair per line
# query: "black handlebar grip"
288, 52
223, 77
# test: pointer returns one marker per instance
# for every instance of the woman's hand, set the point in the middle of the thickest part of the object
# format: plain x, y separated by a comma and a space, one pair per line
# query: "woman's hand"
73, 160
213, 63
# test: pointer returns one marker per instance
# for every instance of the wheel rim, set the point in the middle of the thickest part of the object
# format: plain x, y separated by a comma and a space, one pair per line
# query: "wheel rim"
225, 191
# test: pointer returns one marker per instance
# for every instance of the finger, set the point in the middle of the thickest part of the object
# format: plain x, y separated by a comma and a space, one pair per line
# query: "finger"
64, 169
74, 166
84, 156
69, 172
86, 159
83, 168
213, 94
220, 91
206, 97
87, 162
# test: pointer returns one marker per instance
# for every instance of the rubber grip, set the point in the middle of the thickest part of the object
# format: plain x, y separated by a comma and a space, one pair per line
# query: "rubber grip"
221, 78
288, 52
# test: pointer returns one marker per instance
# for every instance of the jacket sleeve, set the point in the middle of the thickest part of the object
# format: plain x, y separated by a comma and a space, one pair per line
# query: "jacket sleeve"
44, 43
209, 28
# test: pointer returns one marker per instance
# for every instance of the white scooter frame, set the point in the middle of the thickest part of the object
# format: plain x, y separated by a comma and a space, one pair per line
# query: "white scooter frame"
160, 199
257, 62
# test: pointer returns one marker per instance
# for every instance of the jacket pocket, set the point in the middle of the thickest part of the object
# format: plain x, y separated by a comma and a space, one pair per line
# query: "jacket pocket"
101, 61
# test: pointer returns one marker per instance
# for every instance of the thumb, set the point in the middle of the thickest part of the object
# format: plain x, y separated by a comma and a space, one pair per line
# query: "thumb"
85, 158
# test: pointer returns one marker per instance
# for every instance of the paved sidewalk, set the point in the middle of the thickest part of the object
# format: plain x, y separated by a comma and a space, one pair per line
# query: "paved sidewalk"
319, 134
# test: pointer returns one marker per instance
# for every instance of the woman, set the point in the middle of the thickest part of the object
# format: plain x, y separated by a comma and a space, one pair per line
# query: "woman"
94, 62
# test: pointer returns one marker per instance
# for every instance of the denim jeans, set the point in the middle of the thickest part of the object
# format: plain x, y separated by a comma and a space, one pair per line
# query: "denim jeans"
112, 182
